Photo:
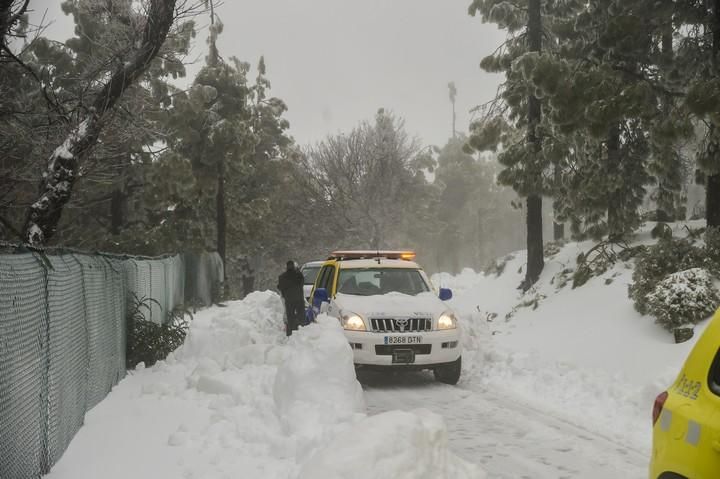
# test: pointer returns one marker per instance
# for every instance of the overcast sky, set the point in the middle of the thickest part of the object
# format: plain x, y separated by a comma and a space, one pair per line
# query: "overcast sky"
335, 62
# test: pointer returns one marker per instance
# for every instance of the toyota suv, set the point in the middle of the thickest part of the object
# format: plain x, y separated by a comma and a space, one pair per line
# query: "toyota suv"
391, 313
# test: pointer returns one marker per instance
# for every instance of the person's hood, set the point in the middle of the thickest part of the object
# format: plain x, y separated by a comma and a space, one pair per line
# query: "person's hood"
392, 305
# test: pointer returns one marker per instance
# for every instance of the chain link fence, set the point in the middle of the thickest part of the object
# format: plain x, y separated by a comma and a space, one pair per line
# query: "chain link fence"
62, 340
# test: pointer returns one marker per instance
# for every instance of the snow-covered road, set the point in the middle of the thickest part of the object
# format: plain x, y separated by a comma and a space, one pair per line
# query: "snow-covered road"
238, 396
508, 439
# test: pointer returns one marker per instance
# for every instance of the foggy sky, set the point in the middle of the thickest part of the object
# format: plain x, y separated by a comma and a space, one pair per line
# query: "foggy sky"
335, 62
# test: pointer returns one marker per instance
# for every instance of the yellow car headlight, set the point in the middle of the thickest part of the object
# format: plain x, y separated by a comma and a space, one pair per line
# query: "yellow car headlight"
447, 321
353, 322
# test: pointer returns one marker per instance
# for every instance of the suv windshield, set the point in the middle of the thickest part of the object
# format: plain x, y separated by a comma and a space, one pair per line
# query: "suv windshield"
372, 281
310, 273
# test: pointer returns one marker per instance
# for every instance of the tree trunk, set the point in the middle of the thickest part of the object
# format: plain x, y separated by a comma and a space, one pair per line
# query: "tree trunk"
536, 262
558, 228
614, 199
64, 163
558, 231
221, 222
712, 201
667, 192
712, 186
118, 208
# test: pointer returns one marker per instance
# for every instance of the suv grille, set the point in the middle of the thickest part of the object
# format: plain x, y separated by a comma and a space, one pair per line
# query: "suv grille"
401, 325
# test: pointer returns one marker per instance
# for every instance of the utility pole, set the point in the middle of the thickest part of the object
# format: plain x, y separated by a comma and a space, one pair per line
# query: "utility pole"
453, 95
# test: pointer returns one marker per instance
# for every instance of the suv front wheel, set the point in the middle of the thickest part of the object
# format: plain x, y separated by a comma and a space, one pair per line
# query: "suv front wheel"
449, 373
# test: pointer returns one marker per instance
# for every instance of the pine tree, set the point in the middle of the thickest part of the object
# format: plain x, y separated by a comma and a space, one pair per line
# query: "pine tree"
609, 117
519, 107
698, 61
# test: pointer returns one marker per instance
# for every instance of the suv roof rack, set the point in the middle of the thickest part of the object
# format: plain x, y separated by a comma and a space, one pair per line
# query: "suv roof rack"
341, 255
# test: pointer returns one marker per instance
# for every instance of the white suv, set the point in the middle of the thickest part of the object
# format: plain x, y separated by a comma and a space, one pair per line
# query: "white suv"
392, 316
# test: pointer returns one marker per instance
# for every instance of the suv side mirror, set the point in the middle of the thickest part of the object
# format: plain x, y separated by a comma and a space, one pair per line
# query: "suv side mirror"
321, 296
445, 294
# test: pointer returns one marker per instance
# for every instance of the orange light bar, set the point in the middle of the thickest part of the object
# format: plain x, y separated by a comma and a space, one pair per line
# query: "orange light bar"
406, 255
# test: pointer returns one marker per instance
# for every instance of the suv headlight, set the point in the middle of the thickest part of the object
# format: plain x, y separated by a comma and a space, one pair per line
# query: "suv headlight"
353, 322
447, 321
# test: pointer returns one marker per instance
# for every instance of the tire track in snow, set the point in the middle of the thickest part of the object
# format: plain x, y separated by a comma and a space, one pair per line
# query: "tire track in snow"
508, 439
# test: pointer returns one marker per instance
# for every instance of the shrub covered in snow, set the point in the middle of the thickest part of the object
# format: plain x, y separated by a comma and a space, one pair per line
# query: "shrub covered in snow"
685, 297
654, 264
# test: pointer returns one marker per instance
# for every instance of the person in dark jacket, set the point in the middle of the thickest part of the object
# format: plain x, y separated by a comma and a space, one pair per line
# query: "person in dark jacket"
290, 285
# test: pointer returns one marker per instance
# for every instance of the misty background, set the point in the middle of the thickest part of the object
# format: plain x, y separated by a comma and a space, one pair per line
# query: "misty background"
374, 70
335, 62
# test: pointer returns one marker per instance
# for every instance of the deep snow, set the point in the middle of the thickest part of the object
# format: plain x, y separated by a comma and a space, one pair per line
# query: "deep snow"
584, 354
238, 400
557, 382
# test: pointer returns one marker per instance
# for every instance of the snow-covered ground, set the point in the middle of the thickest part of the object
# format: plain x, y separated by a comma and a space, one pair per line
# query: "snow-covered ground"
239, 401
584, 354
558, 388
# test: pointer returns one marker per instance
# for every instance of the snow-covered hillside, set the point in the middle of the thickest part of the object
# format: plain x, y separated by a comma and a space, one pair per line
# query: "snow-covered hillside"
582, 354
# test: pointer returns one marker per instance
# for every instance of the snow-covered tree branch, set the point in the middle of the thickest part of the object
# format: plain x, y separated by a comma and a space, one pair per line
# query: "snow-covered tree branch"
63, 166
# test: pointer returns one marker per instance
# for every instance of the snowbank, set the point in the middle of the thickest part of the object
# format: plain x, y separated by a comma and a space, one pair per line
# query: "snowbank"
396, 444
240, 400
584, 355
315, 386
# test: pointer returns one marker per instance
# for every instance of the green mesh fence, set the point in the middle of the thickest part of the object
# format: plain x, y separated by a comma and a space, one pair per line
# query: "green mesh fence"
203, 278
62, 341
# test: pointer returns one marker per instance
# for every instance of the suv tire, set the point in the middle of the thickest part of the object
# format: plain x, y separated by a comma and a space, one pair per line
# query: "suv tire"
450, 373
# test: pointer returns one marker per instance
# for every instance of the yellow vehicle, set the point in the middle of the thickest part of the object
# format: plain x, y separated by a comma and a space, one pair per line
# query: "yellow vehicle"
686, 417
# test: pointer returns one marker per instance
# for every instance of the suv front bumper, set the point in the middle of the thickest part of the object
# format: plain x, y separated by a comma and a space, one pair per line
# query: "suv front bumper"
376, 349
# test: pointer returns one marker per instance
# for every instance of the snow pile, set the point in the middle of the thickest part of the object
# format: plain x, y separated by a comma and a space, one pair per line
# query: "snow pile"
583, 355
684, 297
395, 444
240, 400
315, 386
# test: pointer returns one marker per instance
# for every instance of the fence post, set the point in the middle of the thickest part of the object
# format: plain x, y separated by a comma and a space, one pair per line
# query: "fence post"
45, 372
87, 330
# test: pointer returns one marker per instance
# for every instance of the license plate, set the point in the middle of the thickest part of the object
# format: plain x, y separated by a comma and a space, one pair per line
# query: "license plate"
403, 339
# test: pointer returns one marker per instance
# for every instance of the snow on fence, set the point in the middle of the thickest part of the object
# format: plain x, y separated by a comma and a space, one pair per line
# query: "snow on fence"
62, 341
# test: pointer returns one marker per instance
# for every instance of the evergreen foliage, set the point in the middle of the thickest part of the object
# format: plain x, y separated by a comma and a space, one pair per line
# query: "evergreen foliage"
610, 81
148, 342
